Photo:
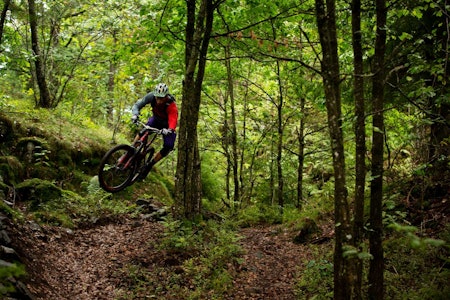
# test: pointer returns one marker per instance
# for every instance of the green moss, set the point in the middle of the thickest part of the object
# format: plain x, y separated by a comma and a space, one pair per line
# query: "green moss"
10, 212
38, 191
10, 168
63, 158
6, 131
155, 187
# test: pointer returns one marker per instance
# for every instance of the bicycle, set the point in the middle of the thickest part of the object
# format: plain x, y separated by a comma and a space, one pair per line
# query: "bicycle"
123, 164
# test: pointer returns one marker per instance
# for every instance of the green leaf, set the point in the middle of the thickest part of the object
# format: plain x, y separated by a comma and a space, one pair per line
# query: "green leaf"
376, 129
417, 12
405, 36
434, 242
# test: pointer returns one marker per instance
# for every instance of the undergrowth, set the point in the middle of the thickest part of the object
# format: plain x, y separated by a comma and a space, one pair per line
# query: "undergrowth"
205, 253
417, 268
316, 279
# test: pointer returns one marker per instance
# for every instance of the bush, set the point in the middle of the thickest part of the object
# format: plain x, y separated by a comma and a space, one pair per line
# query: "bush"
316, 282
259, 214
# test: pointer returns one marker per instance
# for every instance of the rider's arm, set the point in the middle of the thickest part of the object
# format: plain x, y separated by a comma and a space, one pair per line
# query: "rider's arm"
172, 113
141, 103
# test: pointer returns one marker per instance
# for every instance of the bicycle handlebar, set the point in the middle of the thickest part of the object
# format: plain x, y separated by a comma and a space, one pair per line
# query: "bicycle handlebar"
152, 129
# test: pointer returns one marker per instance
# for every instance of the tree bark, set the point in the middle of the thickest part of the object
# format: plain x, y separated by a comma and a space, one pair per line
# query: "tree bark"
326, 21
301, 154
280, 141
360, 141
376, 269
3, 18
188, 189
111, 84
45, 100
438, 157
226, 140
234, 153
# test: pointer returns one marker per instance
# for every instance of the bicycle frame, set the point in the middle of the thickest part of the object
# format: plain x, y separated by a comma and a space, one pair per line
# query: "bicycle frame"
115, 174
144, 142
142, 145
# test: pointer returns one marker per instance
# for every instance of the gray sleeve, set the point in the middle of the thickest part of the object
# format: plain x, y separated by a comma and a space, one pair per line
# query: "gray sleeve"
140, 104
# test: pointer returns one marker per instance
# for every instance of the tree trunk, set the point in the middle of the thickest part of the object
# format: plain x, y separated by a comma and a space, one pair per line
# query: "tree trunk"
226, 138
111, 84
188, 189
3, 18
44, 97
280, 130
326, 21
360, 141
376, 270
234, 154
438, 150
301, 154
280, 141
245, 190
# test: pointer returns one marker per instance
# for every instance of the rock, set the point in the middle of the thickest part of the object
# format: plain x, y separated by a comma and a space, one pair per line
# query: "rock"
10, 259
307, 232
4, 238
151, 210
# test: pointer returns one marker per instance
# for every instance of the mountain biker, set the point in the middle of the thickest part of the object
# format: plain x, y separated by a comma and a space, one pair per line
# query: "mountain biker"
165, 117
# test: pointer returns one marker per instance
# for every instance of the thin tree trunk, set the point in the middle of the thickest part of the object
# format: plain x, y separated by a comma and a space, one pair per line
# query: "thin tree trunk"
111, 82
226, 144
44, 94
326, 21
3, 18
376, 270
279, 106
244, 192
301, 154
280, 141
234, 155
272, 177
360, 141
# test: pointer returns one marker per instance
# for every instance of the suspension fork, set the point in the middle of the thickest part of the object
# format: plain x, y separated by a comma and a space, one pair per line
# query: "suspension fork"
142, 144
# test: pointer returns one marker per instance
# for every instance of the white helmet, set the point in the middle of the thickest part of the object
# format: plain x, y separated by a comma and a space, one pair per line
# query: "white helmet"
161, 90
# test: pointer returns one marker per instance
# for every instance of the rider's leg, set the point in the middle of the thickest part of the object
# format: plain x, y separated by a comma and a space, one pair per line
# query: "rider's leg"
158, 156
169, 144
136, 138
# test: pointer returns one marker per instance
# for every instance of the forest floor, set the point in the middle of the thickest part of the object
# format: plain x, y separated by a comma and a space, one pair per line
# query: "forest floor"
95, 262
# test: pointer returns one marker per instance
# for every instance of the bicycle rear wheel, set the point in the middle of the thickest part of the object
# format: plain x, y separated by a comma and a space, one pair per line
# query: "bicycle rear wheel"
116, 168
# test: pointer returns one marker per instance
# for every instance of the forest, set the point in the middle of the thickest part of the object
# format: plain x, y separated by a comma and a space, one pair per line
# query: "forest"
329, 119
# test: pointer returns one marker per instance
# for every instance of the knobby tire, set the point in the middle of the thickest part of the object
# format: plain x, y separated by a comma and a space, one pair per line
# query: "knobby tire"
116, 173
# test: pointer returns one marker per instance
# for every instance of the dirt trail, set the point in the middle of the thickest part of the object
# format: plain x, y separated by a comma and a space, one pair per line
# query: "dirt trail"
89, 263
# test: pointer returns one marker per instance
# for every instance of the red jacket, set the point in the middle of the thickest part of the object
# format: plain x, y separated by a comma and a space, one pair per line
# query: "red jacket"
165, 112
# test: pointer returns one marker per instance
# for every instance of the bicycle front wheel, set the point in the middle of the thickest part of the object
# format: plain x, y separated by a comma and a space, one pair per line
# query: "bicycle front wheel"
116, 168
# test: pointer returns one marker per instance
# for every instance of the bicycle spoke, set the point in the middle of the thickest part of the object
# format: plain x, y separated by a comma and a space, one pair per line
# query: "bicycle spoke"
116, 169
